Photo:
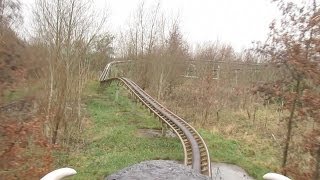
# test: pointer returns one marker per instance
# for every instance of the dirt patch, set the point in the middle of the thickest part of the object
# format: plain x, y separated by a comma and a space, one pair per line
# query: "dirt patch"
19, 110
153, 133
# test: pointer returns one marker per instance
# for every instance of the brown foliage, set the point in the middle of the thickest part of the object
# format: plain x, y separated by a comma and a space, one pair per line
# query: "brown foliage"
12, 51
25, 152
293, 46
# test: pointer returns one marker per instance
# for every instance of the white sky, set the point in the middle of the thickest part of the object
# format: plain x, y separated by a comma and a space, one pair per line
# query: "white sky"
238, 22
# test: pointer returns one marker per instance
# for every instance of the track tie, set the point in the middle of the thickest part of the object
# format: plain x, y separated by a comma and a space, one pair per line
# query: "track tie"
203, 156
204, 171
203, 151
204, 160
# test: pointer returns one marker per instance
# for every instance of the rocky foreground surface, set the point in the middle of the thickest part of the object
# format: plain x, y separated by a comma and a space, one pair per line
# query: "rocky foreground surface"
161, 169
156, 170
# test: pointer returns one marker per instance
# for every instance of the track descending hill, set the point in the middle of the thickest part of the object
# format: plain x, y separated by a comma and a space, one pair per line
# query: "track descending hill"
196, 152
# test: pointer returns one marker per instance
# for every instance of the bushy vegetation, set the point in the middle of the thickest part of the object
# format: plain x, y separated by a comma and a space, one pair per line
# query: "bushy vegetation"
261, 104
112, 139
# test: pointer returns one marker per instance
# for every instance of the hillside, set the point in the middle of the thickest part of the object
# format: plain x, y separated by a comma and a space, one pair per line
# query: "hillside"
112, 139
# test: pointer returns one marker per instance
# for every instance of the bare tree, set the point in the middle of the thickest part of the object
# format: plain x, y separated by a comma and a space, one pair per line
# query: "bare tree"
67, 29
10, 13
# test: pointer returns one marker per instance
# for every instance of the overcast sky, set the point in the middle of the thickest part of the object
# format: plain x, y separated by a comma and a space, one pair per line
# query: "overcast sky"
238, 22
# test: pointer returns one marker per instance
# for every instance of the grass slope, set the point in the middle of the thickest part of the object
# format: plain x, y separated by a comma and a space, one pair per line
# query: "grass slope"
112, 144
111, 140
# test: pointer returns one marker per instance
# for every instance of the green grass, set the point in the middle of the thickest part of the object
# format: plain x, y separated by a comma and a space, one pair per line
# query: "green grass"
111, 142
238, 153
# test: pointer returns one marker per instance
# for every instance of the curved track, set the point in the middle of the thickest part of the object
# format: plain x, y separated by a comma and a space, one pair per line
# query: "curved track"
195, 150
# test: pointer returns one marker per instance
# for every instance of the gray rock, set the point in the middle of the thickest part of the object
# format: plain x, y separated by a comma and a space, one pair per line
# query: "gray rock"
154, 133
156, 170
161, 169
224, 171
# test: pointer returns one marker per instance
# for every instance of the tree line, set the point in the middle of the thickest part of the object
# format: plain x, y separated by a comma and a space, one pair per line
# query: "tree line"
71, 43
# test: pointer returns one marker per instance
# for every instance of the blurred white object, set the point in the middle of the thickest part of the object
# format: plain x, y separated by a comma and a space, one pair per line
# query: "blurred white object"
275, 176
59, 174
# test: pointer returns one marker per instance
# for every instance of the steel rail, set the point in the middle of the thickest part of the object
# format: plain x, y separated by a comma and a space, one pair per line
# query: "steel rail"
205, 158
196, 153
106, 71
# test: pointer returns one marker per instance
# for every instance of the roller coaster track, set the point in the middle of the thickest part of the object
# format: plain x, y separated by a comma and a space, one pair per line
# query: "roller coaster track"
196, 154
